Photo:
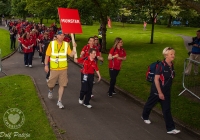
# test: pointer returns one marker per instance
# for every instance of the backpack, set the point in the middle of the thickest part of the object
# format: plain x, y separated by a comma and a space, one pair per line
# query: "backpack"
150, 74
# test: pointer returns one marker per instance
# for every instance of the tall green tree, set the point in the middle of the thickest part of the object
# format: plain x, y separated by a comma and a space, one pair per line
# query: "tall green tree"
5, 6
18, 8
172, 9
100, 9
45, 8
153, 8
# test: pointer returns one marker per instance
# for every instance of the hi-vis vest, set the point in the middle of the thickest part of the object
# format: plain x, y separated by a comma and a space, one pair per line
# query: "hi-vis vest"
58, 58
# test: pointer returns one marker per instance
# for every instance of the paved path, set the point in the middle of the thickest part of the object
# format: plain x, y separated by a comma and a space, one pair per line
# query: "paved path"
116, 118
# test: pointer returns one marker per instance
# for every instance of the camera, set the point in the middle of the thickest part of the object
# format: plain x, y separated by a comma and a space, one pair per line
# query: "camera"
192, 43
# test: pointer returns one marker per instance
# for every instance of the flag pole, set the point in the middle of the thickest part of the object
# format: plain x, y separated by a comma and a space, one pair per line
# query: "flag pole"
73, 43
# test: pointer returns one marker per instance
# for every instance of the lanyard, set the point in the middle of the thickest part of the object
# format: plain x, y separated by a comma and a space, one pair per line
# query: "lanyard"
58, 50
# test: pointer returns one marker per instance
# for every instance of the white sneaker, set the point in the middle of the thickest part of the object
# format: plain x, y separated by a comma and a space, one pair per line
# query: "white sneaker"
26, 65
114, 92
88, 106
30, 66
50, 95
60, 105
146, 121
175, 131
47, 80
80, 101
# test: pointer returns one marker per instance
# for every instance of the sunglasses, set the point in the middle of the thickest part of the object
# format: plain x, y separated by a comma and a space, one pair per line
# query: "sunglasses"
169, 48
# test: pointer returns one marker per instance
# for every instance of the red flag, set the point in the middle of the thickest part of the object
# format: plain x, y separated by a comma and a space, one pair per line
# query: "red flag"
69, 20
109, 23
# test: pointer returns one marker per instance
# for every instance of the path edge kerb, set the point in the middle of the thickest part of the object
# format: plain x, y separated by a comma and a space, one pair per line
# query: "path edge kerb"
155, 110
49, 116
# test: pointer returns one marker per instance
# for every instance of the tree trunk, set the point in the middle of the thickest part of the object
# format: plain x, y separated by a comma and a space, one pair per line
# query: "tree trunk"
104, 22
41, 20
169, 22
152, 28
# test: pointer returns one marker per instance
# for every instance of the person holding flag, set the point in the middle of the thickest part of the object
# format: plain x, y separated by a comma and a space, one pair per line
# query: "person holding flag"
57, 51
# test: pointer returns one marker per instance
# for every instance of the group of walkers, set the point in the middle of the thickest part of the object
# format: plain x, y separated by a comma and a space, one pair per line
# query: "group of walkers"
31, 37
54, 48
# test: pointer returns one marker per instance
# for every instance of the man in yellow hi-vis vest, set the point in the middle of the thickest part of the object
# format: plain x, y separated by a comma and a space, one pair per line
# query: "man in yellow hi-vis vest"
56, 53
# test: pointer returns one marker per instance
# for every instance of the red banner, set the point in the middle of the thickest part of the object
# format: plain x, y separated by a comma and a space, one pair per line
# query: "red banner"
69, 20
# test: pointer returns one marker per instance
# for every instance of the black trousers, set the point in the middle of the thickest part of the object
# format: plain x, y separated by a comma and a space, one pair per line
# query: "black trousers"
12, 43
28, 58
166, 108
113, 77
86, 88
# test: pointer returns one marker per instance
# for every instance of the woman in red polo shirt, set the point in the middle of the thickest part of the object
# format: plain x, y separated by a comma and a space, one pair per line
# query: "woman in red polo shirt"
27, 45
116, 55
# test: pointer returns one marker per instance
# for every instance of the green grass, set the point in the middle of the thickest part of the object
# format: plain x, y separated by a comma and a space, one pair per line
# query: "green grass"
5, 43
18, 91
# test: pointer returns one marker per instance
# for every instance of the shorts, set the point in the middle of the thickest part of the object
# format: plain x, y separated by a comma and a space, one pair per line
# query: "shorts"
58, 75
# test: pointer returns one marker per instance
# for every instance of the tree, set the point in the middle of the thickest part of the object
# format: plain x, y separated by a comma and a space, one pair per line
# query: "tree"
124, 13
86, 11
100, 9
45, 8
104, 9
194, 4
172, 9
18, 8
5, 6
153, 8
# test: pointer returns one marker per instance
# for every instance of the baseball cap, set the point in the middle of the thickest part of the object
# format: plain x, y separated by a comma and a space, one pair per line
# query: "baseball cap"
59, 32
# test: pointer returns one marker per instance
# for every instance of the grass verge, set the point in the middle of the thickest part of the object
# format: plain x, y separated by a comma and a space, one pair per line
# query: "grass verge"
5, 43
18, 91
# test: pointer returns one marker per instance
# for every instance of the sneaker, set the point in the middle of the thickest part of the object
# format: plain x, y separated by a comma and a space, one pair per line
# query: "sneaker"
60, 105
26, 65
92, 95
110, 96
47, 80
30, 66
88, 106
50, 95
80, 101
114, 92
175, 131
146, 121
93, 82
42, 63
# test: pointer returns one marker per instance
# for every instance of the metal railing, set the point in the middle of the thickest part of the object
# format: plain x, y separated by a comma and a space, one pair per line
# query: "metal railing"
191, 81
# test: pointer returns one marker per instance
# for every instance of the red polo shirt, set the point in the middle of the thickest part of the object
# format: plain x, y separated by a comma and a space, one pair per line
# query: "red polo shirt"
27, 42
88, 66
34, 39
86, 49
115, 63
